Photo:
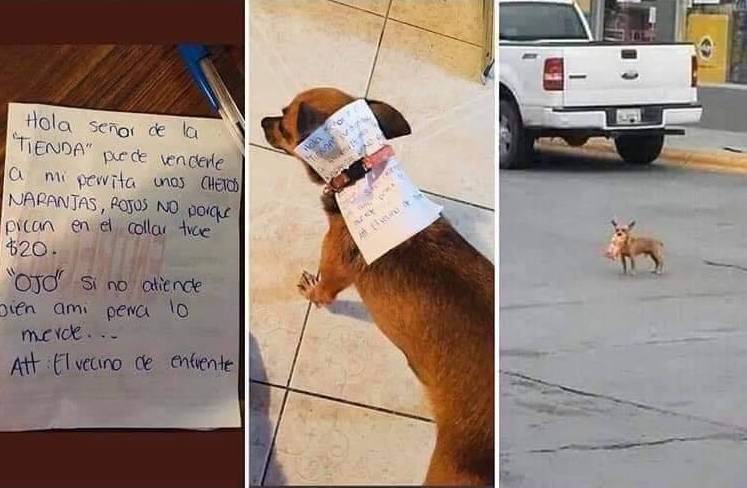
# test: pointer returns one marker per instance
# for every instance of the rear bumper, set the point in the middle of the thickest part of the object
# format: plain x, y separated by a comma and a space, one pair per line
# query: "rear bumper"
601, 120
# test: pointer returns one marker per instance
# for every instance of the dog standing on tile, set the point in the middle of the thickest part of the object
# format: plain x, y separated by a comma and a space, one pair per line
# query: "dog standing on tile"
626, 246
432, 296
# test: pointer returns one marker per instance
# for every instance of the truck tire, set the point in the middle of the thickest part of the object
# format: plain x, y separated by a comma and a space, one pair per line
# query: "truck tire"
576, 141
641, 149
515, 144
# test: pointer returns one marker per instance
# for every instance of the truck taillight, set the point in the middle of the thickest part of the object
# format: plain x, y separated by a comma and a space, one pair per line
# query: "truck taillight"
554, 74
694, 72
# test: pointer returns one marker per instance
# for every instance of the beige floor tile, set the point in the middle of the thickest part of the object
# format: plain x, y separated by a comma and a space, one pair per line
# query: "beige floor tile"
456, 18
321, 442
434, 82
475, 224
286, 226
296, 45
376, 6
344, 355
265, 403
274, 334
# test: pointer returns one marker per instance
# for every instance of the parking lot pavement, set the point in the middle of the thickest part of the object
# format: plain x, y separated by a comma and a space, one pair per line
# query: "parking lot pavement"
611, 380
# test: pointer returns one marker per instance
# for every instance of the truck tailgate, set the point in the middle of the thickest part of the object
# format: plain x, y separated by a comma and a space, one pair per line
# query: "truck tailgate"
605, 75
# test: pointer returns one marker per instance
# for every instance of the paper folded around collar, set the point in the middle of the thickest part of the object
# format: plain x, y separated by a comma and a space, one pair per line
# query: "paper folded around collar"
384, 208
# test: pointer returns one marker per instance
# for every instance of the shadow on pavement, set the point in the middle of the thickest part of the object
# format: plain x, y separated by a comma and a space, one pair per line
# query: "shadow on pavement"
560, 161
350, 308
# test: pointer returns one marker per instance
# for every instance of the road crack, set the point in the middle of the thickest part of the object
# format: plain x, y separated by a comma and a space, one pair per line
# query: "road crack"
738, 430
725, 265
634, 445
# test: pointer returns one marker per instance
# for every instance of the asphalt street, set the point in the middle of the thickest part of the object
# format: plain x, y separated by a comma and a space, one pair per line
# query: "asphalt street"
610, 380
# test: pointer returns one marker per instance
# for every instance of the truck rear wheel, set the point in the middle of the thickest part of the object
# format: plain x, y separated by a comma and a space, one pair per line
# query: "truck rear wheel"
515, 144
640, 149
576, 141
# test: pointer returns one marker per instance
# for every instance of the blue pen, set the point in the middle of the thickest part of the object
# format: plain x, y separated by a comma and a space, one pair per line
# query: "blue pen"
206, 77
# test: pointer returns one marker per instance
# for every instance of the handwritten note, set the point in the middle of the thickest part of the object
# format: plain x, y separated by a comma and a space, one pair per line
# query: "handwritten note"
349, 134
385, 208
119, 271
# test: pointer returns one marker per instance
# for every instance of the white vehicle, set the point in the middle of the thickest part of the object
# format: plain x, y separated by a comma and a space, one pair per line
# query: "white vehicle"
556, 81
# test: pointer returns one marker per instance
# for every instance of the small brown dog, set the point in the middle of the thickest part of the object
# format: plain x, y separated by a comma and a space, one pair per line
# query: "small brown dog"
624, 245
432, 296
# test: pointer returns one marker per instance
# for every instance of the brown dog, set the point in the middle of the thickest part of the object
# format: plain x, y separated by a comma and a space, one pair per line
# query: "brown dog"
623, 244
432, 296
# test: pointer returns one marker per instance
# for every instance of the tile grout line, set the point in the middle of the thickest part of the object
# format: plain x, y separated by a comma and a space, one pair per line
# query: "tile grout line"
359, 9
415, 26
378, 50
457, 200
424, 29
272, 442
361, 405
343, 401
298, 346
285, 397
267, 383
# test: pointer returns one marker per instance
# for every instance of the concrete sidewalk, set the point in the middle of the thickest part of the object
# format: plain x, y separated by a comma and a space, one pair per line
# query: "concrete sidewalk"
697, 138
724, 107
720, 138
718, 142
699, 148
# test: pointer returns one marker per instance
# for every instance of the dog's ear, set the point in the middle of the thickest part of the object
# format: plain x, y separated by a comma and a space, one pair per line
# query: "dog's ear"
308, 120
614, 224
392, 123
631, 224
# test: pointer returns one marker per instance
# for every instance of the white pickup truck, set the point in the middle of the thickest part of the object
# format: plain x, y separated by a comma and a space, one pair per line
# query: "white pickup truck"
556, 81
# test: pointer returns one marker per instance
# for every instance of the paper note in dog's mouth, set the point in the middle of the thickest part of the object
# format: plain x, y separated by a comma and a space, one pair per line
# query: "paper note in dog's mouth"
612, 251
119, 271
381, 210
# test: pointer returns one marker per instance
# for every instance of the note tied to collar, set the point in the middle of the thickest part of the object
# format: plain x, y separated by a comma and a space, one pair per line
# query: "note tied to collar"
119, 271
381, 210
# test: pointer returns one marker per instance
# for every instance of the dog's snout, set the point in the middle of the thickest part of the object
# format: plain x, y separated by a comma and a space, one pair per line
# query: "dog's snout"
270, 126
267, 123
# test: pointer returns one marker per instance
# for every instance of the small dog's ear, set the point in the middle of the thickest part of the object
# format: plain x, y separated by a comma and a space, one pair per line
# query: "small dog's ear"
631, 224
308, 120
392, 123
614, 224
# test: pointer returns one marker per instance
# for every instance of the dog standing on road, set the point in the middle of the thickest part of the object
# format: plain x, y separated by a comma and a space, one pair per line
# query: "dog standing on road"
432, 296
625, 246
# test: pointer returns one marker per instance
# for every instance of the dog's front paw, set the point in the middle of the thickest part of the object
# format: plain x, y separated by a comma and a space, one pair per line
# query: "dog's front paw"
306, 284
313, 290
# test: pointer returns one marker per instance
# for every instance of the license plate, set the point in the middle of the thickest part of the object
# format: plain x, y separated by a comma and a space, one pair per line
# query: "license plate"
628, 116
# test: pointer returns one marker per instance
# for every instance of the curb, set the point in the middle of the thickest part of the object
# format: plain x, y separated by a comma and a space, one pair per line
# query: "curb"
709, 160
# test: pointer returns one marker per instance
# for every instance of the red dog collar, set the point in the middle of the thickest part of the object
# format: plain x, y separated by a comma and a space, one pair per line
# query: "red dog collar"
358, 169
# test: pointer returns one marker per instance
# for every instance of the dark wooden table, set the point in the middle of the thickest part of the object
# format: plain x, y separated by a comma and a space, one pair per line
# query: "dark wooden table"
126, 78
